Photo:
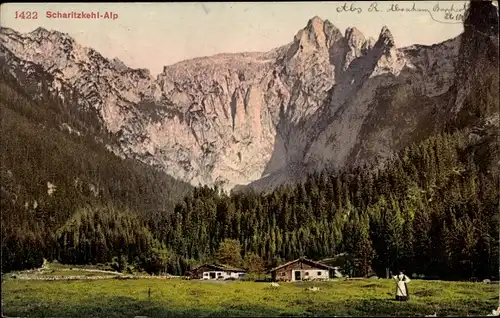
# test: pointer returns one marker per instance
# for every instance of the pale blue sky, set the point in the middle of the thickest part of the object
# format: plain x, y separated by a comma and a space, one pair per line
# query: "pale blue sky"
151, 35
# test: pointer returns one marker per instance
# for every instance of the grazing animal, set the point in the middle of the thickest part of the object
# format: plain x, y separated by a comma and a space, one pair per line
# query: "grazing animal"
431, 315
275, 285
495, 312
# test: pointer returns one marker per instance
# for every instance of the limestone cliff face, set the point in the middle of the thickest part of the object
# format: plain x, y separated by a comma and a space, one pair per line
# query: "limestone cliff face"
328, 98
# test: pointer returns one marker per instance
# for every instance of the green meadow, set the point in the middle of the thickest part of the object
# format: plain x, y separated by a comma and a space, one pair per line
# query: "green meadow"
177, 297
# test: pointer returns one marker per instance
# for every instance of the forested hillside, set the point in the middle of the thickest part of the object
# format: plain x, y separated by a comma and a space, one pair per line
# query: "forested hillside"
433, 210
52, 166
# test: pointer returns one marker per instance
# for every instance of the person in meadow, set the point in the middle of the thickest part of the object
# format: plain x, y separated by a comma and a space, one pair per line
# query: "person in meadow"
402, 281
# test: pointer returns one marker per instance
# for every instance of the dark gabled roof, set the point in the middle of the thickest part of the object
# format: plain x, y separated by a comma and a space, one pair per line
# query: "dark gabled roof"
304, 260
220, 267
228, 268
338, 260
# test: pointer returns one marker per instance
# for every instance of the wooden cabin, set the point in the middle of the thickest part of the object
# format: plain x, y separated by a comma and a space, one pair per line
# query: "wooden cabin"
302, 269
216, 272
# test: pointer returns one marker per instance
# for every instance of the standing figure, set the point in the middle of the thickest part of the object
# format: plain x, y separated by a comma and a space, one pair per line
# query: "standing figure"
402, 293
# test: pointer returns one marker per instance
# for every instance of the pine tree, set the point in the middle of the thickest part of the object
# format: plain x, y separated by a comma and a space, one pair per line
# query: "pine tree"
229, 253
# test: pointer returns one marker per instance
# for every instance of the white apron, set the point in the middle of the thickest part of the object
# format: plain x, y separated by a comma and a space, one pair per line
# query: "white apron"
400, 285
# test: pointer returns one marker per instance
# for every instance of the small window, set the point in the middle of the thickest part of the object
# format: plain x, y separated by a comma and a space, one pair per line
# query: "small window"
307, 273
205, 274
283, 274
319, 273
219, 274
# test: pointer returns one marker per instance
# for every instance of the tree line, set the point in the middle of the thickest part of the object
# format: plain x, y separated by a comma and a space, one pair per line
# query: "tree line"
433, 210
48, 175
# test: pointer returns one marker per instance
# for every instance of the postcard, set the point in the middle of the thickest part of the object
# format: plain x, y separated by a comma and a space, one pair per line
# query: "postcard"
250, 159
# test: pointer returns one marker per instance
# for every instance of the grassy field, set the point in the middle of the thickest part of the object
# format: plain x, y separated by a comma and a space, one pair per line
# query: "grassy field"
175, 297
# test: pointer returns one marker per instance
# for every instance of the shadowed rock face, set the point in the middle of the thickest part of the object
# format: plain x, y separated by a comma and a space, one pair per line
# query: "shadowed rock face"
477, 70
326, 99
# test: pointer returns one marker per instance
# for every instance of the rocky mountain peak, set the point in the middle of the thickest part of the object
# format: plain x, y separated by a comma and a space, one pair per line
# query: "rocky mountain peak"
315, 23
312, 37
354, 36
331, 31
7, 31
318, 34
356, 46
389, 58
119, 65
40, 31
232, 119
385, 37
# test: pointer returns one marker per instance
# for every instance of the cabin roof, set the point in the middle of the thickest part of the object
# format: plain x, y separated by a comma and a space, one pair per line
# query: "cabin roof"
303, 260
220, 267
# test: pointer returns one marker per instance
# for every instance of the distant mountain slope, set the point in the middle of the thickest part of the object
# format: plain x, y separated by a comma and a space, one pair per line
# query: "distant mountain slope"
326, 99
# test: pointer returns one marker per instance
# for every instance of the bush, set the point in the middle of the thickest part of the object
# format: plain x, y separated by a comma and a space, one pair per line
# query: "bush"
119, 264
130, 269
